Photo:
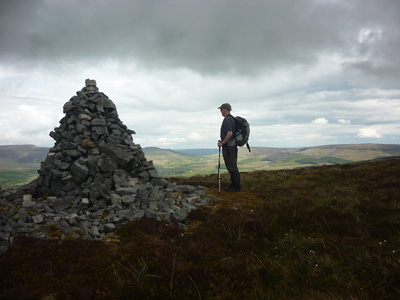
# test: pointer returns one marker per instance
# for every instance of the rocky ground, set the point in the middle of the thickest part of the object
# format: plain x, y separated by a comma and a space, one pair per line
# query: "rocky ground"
77, 217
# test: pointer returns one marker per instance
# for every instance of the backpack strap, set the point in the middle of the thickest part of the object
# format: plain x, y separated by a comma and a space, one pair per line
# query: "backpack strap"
248, 146
234, 121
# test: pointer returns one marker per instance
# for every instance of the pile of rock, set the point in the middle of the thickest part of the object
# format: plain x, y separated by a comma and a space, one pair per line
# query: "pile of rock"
94, 151
93, 181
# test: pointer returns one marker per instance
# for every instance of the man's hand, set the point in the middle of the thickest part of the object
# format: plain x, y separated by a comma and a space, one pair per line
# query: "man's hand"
226, 139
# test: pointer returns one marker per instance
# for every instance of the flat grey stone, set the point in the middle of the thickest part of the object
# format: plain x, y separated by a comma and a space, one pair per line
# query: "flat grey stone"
38, 219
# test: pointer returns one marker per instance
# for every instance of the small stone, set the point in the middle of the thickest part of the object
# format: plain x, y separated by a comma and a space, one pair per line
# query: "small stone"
27, 201
150, 213
109, 227
27, 197
88, 144
132, 214
180, 214
90, 82
116, 199
72, 219
128, 199
38, 219
126, 191
95, 231
79, 171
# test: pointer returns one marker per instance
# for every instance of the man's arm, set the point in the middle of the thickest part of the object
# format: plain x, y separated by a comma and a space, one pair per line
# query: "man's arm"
226, 139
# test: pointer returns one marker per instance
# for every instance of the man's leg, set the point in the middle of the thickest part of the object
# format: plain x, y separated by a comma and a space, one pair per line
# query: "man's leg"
230, 157
235, 179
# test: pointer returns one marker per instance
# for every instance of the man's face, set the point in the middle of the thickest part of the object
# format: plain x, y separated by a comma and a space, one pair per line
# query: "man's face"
224, 112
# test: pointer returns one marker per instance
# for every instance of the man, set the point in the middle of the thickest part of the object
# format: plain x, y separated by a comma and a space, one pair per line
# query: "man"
229, 147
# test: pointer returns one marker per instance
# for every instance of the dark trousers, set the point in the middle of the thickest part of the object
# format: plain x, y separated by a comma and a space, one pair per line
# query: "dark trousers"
230, 154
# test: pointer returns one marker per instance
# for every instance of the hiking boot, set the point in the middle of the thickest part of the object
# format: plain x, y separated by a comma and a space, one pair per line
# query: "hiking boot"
231, 189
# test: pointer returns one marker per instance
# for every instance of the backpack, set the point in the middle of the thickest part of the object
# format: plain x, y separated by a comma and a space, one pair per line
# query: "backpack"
242, 132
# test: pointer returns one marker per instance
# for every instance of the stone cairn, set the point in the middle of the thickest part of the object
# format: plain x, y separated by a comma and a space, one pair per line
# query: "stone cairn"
93, 181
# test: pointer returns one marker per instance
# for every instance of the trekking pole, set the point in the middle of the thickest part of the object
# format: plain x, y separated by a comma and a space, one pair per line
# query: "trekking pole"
219, 166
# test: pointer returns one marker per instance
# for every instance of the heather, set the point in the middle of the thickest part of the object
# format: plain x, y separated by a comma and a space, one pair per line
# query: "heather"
329, 232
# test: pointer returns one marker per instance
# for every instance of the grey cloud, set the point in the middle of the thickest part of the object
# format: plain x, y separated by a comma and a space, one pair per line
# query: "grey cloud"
209, 37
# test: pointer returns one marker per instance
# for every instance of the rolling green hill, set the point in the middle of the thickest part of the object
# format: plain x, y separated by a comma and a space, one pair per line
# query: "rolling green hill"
18, 163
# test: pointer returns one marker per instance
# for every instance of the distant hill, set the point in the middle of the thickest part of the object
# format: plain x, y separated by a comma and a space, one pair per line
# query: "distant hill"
15, 155
19, 163
197, 151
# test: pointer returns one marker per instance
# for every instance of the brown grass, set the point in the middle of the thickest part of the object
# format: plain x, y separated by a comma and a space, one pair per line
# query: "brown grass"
320, 233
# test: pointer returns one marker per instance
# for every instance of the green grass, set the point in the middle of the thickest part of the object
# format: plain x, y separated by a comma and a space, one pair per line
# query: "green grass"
12, 178
325, 159
249, 160
327, 233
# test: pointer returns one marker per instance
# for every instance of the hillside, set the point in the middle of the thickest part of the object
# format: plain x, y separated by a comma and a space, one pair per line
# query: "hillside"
18, 164
329, 233
169, 162
21, 155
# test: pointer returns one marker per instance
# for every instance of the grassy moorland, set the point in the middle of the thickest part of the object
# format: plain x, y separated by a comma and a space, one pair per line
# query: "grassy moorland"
330, 232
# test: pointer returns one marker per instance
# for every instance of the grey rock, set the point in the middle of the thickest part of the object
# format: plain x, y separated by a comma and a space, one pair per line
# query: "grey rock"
28, 202
127, 199
95, 231
38, 219
193, 200
153, 204
180, 214
121, 155
27, 197
109, 227
150, 213
80, 171
116, 199
157, 182
107, 103
131, 214
85, 225
90, 82
72, 219
153, 174
64, 227
25, 230
126, 191
99, 122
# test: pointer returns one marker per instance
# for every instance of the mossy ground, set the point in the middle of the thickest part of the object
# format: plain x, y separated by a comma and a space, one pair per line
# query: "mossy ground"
321, 233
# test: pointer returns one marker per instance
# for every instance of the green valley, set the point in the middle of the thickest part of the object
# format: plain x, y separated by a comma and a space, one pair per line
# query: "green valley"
18, 163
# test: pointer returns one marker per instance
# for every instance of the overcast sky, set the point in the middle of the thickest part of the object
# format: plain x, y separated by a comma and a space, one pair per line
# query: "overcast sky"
302, 72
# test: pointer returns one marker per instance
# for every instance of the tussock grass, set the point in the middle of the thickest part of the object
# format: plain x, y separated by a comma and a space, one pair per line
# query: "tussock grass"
322, 233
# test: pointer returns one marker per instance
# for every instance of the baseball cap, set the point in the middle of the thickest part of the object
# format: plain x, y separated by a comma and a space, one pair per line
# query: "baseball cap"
226, 106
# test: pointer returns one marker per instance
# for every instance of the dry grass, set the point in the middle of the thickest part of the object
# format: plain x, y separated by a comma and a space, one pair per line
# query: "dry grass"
321, 233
